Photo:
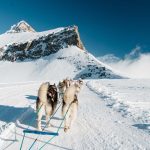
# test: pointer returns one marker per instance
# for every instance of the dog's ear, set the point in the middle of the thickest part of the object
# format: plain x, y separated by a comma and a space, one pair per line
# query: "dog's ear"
81, 82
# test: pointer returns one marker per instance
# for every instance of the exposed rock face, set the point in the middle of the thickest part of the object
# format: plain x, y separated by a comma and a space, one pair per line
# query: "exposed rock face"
43, 46
22, 26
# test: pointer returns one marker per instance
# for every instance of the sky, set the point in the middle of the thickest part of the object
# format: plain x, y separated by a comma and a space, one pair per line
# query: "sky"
105, 26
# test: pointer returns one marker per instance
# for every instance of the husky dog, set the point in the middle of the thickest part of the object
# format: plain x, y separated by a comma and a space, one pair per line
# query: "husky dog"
47, 99
62, 86
70, 104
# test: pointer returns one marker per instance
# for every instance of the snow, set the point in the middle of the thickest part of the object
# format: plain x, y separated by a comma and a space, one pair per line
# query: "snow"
7, 130
97, 126
69, 62
10, 38
128, 96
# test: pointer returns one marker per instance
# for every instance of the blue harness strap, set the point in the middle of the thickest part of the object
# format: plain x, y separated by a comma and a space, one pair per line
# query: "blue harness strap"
28, 128
57, 129
44, 129
40, 132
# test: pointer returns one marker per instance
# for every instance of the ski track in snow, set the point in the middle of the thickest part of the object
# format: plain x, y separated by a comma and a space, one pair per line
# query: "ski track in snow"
97, 127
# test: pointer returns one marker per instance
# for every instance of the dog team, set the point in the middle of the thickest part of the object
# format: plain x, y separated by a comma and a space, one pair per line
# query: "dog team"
49, 96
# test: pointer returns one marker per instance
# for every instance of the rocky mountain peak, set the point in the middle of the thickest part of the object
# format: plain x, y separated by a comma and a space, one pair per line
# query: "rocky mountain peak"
21, 26
34, 46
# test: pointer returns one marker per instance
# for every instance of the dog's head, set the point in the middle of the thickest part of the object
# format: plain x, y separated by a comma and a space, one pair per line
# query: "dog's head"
78, 84
61, 86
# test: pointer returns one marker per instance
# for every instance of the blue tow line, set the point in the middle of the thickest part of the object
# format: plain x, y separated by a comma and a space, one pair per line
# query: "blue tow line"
28, 128
54, 134
44, 128
57, 129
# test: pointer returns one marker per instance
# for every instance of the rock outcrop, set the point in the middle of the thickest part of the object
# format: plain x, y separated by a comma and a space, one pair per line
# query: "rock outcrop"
39, 47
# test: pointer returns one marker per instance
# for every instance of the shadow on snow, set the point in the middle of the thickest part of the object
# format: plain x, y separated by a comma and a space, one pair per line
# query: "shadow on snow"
143, 126
31, 97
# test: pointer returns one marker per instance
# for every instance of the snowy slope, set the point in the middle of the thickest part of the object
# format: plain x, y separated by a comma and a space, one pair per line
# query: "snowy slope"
130, 97
71, 62
22, 32
97, 126
22, 37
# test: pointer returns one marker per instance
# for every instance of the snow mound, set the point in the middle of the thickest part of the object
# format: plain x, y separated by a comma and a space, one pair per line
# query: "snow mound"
7, 131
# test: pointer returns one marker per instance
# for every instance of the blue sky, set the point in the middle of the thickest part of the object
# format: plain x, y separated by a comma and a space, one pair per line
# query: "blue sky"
108, 26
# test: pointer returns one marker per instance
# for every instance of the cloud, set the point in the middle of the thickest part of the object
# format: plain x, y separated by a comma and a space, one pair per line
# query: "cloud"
134, 65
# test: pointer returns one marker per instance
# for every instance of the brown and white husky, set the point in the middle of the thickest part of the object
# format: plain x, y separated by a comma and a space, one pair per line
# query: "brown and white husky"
47, 100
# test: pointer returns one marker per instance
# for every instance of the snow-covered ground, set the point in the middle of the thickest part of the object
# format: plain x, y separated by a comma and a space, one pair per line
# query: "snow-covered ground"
131, 97
97, 126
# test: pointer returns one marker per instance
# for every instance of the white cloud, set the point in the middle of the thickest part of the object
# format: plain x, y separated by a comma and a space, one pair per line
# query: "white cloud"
134, 65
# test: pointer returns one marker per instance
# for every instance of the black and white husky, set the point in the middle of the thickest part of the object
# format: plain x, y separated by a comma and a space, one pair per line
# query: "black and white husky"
70, 104
47, 99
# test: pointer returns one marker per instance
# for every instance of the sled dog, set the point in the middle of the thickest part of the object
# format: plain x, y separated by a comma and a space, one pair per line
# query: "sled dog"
47, 100
70, 104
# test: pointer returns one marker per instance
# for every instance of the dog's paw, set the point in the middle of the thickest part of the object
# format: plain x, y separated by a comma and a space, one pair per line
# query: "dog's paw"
66, 129
39, 129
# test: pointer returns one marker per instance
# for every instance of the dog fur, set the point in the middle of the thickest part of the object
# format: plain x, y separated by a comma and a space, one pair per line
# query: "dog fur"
47, 99
70, 103
63, 85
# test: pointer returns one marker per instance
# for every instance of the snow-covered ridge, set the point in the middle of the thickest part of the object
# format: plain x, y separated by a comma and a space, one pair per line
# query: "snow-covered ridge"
9, 39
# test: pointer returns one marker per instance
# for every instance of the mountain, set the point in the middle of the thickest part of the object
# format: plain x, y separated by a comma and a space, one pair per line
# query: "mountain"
52, 54
26, 44
22, 26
